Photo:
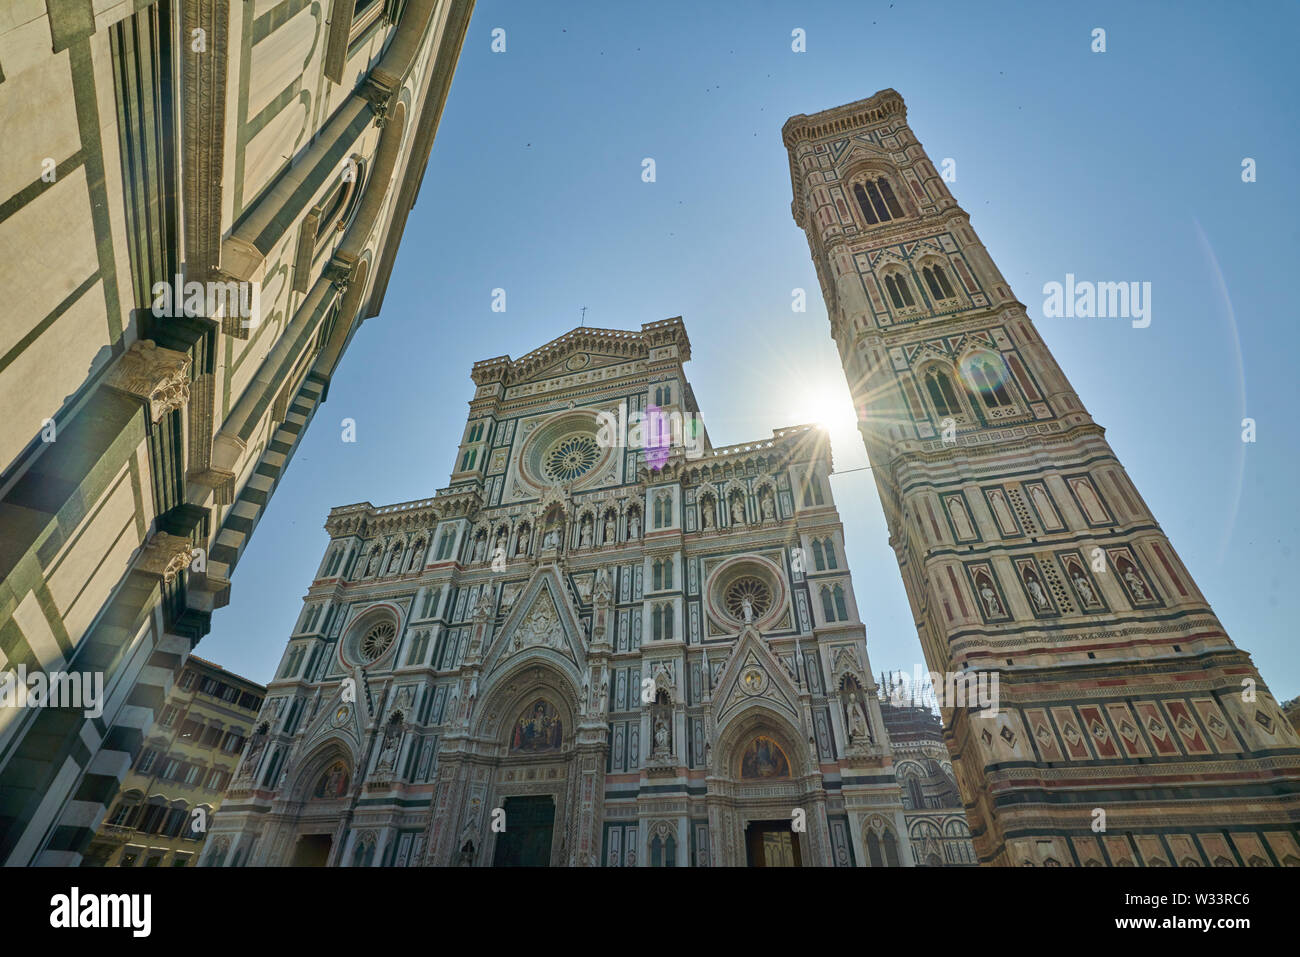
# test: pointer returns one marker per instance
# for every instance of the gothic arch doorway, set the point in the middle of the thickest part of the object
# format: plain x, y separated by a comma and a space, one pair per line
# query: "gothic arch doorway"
315, 804
527, 784
765, 801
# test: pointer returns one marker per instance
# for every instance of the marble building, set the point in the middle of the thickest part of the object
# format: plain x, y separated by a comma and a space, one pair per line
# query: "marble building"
1131, 731
932, 806
582, 651
200, 202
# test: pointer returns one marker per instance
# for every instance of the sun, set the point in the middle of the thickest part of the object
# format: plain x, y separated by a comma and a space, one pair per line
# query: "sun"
828, 405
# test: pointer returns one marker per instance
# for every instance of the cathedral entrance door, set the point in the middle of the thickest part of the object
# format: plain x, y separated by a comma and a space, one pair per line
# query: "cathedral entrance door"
526, 841
771, 844
313, 850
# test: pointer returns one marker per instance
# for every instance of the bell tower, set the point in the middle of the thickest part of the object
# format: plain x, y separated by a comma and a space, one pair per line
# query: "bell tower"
1130, 730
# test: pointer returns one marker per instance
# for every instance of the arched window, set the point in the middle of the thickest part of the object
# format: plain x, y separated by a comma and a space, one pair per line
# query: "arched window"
988, 382
914, 792
891, 850
657, 623
828, 547
937, 280
468, 461
657, 574
812, 491
868, 213
668, 622
840, 613
877, 201
939, 387
818, 559
900, 291
828, 610
873, 850
668, 573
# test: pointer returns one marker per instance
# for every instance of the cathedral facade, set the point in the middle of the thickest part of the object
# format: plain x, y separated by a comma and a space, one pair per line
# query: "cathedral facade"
603, 643
1131, 730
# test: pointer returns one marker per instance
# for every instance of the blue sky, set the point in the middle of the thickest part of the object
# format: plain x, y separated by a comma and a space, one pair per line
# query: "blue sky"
1123, 165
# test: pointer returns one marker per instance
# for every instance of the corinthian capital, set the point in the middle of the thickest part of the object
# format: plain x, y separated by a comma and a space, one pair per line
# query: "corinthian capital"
159, 376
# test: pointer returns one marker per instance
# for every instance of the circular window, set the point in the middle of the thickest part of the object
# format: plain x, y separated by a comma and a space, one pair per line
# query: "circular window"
570, 457
377, 640
571, 449
748, 598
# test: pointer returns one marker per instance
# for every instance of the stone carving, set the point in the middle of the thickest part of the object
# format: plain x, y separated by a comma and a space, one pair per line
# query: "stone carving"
159, 376
541, 627
392, 737
166, 556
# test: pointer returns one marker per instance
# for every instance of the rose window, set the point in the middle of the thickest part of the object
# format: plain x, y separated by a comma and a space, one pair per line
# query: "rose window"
377, 640
571, 457
748, 598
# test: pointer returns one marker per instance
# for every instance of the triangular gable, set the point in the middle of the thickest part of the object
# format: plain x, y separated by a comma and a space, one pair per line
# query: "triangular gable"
753, 674
575, 363
544, 622
859, 153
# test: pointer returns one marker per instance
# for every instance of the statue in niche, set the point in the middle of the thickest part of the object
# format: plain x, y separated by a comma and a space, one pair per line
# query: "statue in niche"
373, 565
1036, 591
1135, 585
990, 598
466, 858
1084, 589
747, 606
585, 541
663, 739
521, 540
392, 735
633, 524
737, 511
499, 547
395, 559
769, 510
706, 513
551, 539
480, 548
255, 748
857, 722
611, 530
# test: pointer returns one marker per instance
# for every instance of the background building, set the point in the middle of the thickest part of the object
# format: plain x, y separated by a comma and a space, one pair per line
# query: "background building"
936, 823
1024, 547
630, 657
165, 807
270, 153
